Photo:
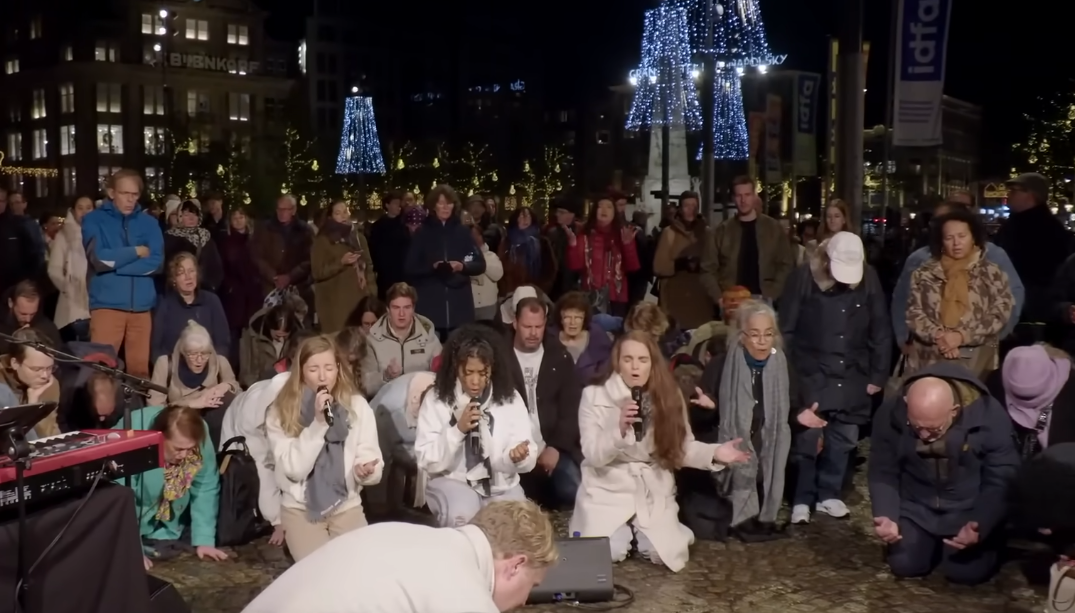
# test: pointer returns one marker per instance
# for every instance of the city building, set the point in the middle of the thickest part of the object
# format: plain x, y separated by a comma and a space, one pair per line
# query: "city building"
90, 87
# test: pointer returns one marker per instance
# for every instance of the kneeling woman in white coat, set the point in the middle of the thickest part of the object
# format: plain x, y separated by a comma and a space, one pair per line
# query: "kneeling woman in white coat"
628, 482
324, 444
474, 437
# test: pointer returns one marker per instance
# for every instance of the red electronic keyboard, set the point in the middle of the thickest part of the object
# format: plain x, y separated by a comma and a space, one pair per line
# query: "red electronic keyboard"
70, 462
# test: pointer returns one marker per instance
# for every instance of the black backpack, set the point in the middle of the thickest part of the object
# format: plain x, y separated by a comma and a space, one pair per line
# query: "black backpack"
239, 519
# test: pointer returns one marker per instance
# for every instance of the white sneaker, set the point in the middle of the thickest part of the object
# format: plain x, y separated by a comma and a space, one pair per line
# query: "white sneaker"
800, 514
834, 508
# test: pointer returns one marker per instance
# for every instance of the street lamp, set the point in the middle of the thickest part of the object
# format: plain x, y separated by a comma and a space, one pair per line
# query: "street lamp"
164, 14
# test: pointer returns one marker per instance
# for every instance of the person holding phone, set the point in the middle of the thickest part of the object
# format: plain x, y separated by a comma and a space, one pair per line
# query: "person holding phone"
474, 435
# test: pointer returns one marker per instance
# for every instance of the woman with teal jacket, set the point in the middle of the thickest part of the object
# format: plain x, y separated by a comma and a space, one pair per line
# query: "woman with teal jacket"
188, 482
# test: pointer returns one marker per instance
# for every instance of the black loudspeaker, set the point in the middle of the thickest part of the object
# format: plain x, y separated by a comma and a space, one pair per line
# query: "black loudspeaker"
163, 597
583, 573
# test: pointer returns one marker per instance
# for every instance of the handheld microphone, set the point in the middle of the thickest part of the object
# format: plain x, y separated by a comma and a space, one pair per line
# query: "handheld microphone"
328, 406
475, 435
636, 397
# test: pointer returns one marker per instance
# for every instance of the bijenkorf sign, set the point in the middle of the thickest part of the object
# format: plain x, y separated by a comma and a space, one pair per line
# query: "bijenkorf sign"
920, 62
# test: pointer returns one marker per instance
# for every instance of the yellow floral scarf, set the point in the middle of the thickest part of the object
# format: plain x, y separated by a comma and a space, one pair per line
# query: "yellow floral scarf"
955, 295
177, 480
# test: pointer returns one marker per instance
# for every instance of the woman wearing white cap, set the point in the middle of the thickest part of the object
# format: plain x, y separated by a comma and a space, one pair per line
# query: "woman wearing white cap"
835, 326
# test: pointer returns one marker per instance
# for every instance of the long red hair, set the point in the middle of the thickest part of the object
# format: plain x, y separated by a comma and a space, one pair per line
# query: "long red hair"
669, 409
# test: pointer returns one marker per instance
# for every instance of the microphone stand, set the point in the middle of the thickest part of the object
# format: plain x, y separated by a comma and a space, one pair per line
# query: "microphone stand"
130, 384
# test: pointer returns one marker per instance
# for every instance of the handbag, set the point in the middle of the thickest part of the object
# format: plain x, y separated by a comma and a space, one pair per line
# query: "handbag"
895, 382
1061, 589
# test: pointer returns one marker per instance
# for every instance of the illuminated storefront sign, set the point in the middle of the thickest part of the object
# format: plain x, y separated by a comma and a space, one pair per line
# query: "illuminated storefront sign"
198, 61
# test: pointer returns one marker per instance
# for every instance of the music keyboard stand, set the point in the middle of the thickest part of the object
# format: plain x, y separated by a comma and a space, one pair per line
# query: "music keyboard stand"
15, 422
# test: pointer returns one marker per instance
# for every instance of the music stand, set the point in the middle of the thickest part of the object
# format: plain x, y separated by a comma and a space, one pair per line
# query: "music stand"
15, 422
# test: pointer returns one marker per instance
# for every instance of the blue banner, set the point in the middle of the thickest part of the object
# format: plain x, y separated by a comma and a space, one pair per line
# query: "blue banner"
921, 47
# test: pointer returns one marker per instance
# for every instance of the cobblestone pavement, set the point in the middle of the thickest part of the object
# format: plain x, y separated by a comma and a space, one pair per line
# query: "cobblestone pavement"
829, 566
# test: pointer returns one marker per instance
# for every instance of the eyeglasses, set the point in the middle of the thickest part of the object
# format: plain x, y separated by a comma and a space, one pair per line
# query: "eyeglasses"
40, 370
755, 337
197, 355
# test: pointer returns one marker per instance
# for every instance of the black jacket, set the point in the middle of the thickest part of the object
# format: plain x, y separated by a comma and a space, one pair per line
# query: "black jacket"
981, 460
839, 341
17, 252
9, 325
1037, 244
444, 297
389, 240
558, 396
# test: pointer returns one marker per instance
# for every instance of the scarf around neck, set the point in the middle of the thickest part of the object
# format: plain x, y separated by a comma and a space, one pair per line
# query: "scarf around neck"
196, 236
479, 467
524, 248
955, 295
739, 483
326, 485
177, 481
189, 378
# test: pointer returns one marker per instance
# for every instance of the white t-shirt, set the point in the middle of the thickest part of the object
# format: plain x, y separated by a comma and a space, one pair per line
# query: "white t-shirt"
278, 347
530, 364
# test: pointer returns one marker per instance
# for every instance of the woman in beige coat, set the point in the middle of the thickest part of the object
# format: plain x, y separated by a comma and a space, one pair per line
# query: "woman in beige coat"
631, 450
67, 270
342, 269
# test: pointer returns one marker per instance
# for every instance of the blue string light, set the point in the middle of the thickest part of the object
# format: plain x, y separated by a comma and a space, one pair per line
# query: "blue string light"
665, 80
360, 147
730, 137
739, 37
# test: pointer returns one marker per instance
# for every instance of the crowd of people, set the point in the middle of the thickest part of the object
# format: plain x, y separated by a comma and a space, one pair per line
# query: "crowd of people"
663, 386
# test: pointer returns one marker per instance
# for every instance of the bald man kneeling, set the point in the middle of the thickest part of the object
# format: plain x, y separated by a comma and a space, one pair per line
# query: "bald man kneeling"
940, 461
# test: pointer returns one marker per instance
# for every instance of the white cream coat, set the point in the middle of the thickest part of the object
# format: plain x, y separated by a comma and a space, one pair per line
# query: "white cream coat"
484, 285
620, 479
67, 271
389, 568
438, 447
246, 417
294, 457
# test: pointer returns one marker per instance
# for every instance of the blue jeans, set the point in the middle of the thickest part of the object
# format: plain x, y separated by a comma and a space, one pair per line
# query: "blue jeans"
919, 552
566, 478
821, 476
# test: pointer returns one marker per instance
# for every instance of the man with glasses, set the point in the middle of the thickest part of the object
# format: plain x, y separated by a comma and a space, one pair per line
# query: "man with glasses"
941, 459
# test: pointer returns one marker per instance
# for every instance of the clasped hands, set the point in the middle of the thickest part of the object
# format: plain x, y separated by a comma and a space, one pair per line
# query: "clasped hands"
948, 342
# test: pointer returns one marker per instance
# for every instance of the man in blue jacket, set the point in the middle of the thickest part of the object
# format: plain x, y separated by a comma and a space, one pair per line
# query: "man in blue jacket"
940, 462
124, 248
993, 253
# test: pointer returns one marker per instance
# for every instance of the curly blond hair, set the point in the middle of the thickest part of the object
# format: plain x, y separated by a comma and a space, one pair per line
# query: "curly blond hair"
649, 318
516, 527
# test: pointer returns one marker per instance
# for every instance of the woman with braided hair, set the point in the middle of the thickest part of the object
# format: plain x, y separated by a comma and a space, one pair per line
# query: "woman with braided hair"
474, 437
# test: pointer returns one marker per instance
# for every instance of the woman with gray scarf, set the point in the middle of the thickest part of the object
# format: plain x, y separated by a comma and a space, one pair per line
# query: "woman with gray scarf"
323, 437
754, 403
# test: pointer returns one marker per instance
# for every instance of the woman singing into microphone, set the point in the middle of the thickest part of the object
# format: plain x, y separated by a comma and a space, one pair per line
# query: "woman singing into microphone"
474, 436
628, 485
324, 444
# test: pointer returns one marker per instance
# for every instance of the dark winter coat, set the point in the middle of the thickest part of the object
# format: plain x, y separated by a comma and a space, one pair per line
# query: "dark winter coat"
838, 338
241, 290
559, 393
980, 460
389, 240
173, 314
210, 266
594, 359
20, 259
1037, 244
444, 297
9, 325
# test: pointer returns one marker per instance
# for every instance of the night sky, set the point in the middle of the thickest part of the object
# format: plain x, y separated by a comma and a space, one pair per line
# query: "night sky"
998, 57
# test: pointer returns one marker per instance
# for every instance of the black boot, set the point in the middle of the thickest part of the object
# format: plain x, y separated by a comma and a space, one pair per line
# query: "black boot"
754, 531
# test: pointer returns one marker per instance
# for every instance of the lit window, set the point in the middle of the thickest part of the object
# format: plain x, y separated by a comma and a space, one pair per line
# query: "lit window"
14, 146
14, 112
197, 29
41, 186
155, 179
41, 144
67, 98
70, 183
105, 52
68, 53
152, 100
238, 35
197, 102
35, 28
151, 24
154, 140
239, 107
67, 140
109, 98
109, 139
104, 173
199, 142
11, 66
38, 110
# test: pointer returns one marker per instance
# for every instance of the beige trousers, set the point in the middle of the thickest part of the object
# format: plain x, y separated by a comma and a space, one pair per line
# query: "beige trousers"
303, 537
